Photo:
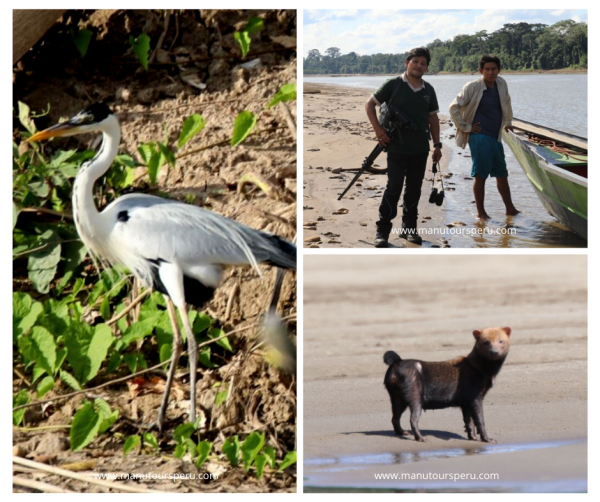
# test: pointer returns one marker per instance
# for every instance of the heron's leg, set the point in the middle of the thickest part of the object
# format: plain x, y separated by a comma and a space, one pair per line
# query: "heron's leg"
175, 353
193, 357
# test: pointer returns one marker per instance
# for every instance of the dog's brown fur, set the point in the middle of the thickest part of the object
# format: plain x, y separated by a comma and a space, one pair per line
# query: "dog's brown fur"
462, 382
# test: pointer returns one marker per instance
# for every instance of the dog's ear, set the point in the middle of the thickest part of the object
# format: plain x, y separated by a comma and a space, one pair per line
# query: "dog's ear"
507, 330
476, 334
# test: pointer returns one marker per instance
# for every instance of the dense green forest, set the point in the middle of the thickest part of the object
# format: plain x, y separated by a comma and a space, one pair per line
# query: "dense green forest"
520, 46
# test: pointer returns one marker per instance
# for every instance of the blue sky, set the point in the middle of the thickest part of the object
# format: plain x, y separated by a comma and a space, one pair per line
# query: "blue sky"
373, 31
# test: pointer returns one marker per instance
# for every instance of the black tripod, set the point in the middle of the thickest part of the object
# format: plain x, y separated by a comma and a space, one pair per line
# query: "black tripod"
368, 162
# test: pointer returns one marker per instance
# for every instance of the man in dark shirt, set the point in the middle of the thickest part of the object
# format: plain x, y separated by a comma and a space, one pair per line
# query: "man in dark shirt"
406, 159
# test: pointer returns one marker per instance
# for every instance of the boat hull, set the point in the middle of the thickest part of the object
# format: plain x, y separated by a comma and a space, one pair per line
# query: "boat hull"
563, 194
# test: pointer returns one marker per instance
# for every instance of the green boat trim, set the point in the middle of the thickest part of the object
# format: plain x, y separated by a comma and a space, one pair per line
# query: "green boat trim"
558, 175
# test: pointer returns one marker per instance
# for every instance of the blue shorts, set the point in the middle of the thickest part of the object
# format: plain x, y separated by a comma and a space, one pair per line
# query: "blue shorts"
488, 156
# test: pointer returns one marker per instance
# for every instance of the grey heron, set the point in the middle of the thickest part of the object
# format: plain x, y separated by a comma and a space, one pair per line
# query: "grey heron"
176, 248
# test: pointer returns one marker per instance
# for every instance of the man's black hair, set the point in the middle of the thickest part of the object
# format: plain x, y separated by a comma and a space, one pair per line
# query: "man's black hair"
489, 58
419, 52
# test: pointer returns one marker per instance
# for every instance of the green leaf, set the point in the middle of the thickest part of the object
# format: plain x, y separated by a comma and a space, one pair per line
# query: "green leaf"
39, 187
244, 124
260, 463
254, 25
183, 432
100, 342
44, 386
166, 154
141, 47
271, 455
223, 342
204, 357
44, 349
85, 426
21, 398
290, 459
25, 313
203, 449
220, 398
131, 443
191, 127
150, 439
87, 348
251, 448
69, 380
286, 93
105, 309
25, 118
82, 40
42, 264
15, 215
108, 416
231, 449
137, 331
243, 39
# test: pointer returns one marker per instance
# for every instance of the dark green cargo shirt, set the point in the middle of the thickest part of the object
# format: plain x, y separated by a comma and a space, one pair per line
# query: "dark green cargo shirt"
418, 105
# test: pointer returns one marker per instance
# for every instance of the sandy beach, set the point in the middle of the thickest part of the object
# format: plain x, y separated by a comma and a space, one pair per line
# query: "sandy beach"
426, 307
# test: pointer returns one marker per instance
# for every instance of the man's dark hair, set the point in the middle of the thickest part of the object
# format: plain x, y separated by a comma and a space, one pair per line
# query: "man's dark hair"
420, 52
489, 59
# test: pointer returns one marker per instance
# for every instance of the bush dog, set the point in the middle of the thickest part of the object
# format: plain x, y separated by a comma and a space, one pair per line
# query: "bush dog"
462, 382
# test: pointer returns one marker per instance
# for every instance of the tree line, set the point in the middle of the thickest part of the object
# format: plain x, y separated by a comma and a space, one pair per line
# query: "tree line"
520, 46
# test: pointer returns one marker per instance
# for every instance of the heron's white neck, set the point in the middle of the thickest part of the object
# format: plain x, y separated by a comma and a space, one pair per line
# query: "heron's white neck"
87, 218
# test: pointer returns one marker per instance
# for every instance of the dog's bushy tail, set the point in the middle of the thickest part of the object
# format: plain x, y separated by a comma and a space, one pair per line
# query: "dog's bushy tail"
390, 357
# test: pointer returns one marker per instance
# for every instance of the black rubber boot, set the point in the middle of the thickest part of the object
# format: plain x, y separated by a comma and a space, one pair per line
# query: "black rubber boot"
381, 240
410, 233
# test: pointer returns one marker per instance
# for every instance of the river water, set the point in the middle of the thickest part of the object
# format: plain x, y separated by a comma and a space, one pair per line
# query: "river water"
558, 101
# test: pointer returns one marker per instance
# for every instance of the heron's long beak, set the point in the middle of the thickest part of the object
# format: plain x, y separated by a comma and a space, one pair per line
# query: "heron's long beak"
67, 128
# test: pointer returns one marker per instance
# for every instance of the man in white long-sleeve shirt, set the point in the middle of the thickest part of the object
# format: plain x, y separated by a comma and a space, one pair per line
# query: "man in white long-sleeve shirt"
480, 112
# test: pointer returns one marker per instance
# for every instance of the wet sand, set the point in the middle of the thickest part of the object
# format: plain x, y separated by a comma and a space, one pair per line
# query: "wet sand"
426, 307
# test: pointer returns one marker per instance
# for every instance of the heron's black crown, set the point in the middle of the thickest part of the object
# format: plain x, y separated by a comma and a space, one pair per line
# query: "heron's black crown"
96, 112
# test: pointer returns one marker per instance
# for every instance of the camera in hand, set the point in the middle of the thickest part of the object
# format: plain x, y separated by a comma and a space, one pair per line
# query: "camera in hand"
436, 197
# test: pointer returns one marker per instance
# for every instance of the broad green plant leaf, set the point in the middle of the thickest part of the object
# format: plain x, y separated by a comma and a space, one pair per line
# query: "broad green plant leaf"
251, 448
45, 386
25, 314
42, 264
43, 349
87, 348
25, 118
21, 398
271, 455
261, 461
231, 449
243, 40
254, 25
191, 127
69, 380
108, 416
287, 92
85, 426
289, 459
244, 125
203, 449
131, 443
82, 40
141, 47
150, 439
223, 342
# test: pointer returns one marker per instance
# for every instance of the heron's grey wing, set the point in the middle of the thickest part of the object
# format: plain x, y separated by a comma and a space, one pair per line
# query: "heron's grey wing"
155, 228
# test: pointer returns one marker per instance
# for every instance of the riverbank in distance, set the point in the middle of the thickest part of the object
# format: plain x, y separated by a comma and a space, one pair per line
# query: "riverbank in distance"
564, 71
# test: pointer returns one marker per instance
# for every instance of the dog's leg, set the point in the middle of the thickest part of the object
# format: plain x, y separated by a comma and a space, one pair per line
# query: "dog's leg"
469, 429
415, 414
477, 414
